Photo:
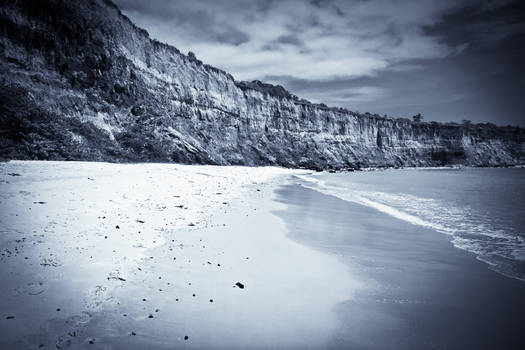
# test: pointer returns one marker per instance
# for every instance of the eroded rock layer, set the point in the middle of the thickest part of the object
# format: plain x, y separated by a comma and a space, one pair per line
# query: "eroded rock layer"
80, 81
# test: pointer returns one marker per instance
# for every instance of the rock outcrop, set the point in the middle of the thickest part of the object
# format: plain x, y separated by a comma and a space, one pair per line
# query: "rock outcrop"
81, 82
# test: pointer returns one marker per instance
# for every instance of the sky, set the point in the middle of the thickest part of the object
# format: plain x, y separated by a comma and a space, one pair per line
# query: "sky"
449, 60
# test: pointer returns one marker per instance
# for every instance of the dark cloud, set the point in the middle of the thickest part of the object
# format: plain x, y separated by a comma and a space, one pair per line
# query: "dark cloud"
231, 35
481, 22
447, 59
289, 39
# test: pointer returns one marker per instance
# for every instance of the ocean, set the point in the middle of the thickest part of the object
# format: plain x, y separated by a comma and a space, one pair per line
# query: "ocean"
481, 209
437, 255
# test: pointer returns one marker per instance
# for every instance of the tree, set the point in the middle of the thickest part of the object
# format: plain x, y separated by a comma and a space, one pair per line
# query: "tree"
193, 58
417, 118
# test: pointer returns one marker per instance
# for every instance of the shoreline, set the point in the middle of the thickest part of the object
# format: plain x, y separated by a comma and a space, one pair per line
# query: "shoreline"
418, 213
316, 271
417, 290
328, 169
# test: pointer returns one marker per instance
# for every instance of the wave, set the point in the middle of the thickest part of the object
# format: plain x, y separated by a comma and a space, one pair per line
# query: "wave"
501, 247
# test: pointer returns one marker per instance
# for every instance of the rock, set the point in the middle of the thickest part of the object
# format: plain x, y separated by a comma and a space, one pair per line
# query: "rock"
9, 317
186, 337
272, 127
115, 276
240, 285
14, 174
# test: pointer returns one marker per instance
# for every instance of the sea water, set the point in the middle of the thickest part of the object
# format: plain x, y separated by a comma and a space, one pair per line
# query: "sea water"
481, 209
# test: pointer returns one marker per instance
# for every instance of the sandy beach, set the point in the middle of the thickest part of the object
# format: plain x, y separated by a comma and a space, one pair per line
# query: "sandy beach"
110, 256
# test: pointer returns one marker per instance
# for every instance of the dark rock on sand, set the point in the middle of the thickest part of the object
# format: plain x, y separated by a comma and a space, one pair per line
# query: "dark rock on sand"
240, 285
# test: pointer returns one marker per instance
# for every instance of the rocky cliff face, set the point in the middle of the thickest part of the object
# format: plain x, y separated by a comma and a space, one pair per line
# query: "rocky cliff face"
80, 81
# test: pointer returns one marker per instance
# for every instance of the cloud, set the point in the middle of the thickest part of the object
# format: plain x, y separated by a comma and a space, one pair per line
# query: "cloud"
304, 39
350, 95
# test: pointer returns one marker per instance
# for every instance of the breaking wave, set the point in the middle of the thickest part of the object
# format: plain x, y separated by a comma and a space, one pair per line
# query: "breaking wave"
502, 248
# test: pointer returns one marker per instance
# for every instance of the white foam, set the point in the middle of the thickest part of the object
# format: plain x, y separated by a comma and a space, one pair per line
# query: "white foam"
471, 231
398, 214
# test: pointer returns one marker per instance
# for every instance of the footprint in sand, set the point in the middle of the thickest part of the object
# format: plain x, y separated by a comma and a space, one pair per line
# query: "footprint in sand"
33, 288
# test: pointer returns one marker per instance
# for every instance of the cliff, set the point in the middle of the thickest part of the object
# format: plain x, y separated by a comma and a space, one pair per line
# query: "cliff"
81, 82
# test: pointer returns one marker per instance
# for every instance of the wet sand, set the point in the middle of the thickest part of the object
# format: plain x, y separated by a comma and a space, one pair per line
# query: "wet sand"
108, 256
416, 290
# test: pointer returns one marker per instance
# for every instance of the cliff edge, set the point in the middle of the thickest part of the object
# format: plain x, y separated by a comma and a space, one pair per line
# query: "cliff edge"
81, 82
